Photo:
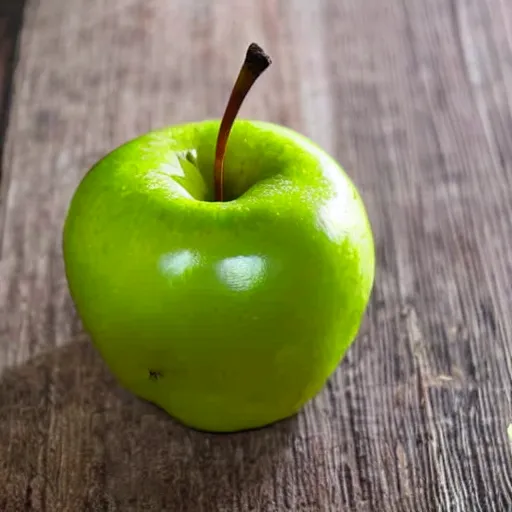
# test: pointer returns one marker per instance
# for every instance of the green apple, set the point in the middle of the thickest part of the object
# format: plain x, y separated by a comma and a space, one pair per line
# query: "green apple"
228, 312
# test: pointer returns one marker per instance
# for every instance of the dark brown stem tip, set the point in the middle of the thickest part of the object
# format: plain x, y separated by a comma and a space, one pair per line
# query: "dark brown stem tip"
256, 59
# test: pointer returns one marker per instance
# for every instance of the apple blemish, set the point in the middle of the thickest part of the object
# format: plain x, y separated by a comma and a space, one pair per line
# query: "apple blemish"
154, 375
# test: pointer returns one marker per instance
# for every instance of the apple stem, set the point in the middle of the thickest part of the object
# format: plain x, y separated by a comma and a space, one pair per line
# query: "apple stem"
256, 61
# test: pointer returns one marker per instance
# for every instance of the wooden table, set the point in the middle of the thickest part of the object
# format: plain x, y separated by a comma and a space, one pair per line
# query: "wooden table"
414, 98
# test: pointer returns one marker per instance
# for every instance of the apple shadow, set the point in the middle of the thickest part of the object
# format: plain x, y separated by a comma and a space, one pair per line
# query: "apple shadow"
72, 439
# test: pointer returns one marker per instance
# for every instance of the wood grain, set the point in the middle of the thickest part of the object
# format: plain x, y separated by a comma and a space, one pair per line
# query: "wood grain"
413, 98
10, 23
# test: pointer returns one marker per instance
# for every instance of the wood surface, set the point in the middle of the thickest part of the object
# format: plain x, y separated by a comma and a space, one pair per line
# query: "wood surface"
10, 23
414, 99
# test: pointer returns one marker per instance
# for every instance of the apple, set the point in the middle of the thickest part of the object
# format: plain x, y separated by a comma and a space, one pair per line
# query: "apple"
221, 282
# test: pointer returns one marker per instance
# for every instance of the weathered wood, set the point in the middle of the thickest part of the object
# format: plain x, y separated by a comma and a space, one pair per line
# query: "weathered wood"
10, 24
414, 98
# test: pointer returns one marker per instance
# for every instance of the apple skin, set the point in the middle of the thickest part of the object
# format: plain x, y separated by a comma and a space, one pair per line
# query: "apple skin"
228, 315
